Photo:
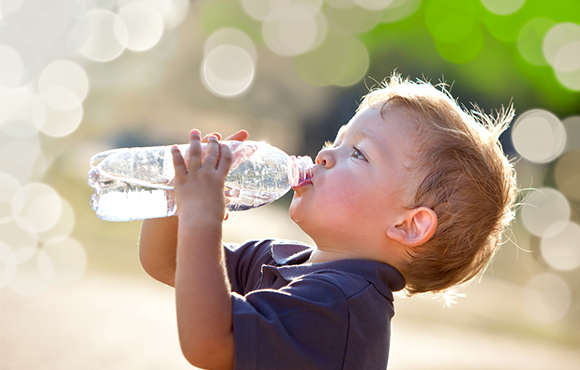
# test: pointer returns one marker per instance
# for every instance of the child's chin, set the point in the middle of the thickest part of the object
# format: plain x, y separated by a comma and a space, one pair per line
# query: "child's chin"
294, 210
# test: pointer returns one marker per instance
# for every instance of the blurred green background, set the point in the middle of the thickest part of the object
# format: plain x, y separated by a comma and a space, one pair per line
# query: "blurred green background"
79, 77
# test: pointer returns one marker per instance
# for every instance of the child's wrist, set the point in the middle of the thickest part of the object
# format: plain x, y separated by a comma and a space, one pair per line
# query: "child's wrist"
199, 215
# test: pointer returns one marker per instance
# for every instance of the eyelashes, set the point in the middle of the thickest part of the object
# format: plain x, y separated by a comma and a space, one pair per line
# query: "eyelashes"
357, 153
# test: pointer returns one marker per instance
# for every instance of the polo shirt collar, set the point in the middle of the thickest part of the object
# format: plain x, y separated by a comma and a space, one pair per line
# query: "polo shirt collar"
290, 256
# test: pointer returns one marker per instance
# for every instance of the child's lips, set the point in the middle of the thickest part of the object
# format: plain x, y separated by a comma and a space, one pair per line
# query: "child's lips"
302, 184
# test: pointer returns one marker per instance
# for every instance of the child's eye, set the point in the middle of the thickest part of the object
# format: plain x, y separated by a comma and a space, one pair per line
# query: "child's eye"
358, 154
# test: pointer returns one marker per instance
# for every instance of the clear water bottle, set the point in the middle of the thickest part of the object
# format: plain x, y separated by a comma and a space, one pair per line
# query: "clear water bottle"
137, 183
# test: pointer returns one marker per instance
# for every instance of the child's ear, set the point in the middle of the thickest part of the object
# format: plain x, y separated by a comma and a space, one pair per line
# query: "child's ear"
416, 228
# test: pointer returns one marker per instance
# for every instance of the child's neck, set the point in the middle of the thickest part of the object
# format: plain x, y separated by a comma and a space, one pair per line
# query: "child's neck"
318, 256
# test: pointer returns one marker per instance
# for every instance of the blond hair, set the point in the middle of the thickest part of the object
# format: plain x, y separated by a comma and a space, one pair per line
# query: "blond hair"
464, 177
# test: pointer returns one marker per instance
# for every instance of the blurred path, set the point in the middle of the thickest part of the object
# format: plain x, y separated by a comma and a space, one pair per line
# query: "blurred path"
112, 322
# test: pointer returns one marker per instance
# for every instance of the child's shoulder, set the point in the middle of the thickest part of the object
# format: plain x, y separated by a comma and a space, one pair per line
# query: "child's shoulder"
355, 281
358, 277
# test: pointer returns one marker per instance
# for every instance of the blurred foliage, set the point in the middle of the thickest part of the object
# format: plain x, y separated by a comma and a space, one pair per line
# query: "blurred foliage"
449, 40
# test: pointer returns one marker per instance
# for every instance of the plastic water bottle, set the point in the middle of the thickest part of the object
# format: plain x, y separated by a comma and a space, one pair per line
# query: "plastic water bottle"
137, 183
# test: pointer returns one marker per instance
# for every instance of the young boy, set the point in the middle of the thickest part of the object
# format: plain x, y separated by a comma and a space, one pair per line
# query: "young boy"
414, 193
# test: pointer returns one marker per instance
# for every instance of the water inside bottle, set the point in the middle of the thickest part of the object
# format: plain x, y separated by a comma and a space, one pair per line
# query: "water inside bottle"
137, 183
122, 201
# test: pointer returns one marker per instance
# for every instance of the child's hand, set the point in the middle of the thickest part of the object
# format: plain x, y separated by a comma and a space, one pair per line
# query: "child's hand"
241, 135
199, 186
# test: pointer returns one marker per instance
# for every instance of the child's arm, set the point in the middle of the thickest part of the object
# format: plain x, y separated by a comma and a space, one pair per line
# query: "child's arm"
203, 301
158, 240
158, 248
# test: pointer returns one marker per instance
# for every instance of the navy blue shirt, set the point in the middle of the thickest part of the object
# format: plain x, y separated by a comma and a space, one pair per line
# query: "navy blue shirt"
288, 314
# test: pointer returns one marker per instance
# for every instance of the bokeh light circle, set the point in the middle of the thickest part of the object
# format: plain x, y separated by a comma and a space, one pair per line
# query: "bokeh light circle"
570, 80
12, 71
9, 7
261, 10
354, 20
11, 190
258, 9
503, 7
343, 4
458, 36
15, 237
462, 51
57, 122
531, 38
228, 70
173, 12
39, 209
67, 74
572, 126
542, 208
107, 37
230, 36
63, 227
454, 27
539, 136
567, 59
60, 98
562, 250
68, 259
144, 25
20, 129
340, 61
101, 4
399, 10
567, 175
546, 298
17, 108
557, 37
7, 265
20, 166
290, 30
34, 272
374, 4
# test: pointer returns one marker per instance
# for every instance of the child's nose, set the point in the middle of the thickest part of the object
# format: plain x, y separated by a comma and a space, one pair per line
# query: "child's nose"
325, 158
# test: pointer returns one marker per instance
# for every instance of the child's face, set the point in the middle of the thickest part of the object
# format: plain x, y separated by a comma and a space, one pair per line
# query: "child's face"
360, 184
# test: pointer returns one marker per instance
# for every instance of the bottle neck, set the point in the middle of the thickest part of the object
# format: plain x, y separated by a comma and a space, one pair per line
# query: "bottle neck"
302, 168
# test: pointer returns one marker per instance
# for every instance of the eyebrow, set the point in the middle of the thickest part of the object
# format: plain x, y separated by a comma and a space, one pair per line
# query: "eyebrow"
366, 134
361, 132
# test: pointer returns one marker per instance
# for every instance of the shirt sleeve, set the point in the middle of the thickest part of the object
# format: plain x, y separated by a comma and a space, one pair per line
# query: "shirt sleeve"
244, 263
301, 326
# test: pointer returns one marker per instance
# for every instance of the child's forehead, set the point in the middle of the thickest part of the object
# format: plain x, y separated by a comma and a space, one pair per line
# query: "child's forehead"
341, 131
360, 123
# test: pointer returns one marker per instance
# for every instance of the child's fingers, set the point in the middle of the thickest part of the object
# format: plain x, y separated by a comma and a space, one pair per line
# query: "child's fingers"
194, 149
225, 158
178, 162
212, 152
216, 134
239, 136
